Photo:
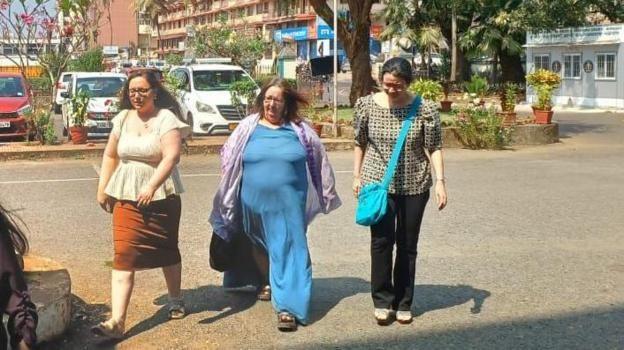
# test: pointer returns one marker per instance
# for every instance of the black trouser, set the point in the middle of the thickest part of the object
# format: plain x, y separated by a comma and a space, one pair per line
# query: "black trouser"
400, 225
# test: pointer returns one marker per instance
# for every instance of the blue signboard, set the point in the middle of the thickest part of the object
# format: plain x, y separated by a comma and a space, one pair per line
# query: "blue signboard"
324, 31
300, 33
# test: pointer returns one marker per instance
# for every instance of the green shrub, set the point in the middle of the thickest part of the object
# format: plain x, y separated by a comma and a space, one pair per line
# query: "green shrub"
243, 89
41, 127
428, 89
89, 61
477, 86
481, 128
41, 83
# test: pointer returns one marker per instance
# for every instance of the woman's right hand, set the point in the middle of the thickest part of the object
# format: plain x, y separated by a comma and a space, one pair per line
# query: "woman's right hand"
105, 201
357, 185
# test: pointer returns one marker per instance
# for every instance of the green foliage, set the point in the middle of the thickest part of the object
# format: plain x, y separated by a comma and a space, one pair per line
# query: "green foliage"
509, 96
78, 104
481, 128
544, 82
42, 83
243, 90
174, 59
41, 126
224, 40
263, 79
477, 86
89, 61
428, 89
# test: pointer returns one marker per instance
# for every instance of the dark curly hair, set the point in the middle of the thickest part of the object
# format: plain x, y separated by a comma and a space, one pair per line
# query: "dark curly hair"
164, 98
10, 232
293, 100
399, 67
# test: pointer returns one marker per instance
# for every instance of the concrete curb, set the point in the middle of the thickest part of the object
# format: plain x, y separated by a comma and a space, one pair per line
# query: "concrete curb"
50, 290
96, 150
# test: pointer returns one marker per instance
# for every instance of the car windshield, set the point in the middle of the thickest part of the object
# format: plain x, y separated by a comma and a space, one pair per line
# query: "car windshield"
11, 87
100, 86
215, 80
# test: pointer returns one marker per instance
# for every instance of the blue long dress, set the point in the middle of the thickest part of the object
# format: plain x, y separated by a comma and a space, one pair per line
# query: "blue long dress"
273, 195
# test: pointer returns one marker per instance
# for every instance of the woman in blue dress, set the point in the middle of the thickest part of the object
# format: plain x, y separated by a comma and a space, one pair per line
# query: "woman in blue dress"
284, 177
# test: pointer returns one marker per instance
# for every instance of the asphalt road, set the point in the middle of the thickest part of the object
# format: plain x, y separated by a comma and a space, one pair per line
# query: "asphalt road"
528, 254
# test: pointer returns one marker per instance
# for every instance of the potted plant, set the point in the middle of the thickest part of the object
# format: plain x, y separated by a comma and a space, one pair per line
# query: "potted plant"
509, 95
78, 104
445, 104
315, 116
427, 89
476, 89
543, 82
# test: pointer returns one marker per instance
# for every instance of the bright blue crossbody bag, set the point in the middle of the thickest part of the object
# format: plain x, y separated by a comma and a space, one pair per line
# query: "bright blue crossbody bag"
373, 198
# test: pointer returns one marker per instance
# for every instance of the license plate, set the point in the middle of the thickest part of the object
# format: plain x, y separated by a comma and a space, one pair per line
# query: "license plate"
104, 125
5, 124
232, 126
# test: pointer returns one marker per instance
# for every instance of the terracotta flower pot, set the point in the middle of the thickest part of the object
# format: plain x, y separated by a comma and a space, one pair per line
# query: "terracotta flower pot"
509, 118
318, 128
542, 116
78, 134
445, 105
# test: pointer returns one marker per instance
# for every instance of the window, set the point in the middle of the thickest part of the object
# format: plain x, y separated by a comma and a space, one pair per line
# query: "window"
605, 66
541, 62
572, 66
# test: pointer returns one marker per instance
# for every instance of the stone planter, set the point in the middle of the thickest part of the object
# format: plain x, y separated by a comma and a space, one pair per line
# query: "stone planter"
50, 290
509, 118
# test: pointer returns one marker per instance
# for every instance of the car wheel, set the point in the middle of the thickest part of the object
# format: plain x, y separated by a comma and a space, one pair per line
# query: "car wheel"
57, 108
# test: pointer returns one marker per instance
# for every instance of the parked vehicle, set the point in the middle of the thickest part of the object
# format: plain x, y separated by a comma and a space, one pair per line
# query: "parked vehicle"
61, 86
205, 99
15, 103
103, 89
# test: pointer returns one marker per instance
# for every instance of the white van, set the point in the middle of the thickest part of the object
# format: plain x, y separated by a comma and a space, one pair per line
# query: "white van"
205, 97
61, 86
103, 88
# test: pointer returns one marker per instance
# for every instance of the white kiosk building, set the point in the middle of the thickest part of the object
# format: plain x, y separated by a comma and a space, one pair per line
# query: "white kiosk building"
590, 61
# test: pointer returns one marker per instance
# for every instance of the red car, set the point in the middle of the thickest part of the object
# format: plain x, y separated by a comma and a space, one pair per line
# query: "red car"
15, 103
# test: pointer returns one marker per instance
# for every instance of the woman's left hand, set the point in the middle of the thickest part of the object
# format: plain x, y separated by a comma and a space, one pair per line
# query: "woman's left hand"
145, 197
440, 191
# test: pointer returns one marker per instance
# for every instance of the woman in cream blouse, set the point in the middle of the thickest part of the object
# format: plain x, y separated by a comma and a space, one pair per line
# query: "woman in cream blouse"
140, 185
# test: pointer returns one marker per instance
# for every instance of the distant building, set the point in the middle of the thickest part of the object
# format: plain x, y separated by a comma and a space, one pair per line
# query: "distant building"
588, 59
124, 31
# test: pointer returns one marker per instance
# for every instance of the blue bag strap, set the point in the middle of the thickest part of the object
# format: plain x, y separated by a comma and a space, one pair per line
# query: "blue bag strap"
398, 147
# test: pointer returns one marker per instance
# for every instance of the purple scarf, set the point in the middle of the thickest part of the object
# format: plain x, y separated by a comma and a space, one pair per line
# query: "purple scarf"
226, 218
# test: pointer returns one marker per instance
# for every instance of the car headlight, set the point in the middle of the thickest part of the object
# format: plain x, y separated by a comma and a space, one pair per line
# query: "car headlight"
204, 108
25, 110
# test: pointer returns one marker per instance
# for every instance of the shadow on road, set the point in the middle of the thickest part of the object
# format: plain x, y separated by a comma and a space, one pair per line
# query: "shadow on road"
595, 329
328, 292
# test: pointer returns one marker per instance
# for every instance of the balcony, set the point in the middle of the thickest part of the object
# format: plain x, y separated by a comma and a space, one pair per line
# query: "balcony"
145, 29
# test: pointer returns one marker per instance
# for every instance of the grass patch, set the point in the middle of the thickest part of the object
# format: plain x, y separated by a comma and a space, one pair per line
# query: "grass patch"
346, 113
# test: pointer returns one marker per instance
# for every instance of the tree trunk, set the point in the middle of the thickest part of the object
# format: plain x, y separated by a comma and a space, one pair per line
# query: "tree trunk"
493, 75
511, 68
362, 82
454, 46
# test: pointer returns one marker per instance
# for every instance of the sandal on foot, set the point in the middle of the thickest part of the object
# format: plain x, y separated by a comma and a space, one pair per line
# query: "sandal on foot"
109, 329
264, 293
286, 322
404, 317
383, 316
176, 309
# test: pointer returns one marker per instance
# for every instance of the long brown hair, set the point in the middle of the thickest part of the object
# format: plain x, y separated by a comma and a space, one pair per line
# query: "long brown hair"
293, 100
164, 98
10, 232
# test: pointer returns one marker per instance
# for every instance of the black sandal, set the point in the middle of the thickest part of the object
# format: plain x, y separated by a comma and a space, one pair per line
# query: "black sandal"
286, 322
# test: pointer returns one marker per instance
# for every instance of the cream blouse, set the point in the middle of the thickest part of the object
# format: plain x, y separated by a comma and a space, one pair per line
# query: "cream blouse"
139, 156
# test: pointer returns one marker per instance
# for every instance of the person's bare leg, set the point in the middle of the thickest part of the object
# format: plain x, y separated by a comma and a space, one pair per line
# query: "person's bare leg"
173, 277
122, 283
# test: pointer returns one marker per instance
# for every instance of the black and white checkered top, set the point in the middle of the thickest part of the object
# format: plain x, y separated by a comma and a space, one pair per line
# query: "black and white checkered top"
377, 128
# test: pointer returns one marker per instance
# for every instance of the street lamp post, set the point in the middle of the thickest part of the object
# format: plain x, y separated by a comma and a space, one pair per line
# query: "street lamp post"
335, 114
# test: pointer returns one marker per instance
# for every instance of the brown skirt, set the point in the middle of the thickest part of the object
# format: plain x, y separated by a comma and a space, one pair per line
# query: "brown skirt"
147, 237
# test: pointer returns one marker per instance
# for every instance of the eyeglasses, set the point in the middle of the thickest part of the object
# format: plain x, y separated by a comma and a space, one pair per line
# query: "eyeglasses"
142, 92
394, 86
269, 99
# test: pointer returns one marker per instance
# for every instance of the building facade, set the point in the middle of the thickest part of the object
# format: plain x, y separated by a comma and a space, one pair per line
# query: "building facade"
278, 21
124, 31
589, 61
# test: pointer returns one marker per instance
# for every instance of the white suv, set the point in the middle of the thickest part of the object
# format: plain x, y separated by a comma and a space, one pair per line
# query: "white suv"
103, 89
205, 97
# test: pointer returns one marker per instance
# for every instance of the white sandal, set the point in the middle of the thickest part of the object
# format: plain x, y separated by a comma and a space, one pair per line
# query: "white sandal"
109, 329
404, 317
383, 316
